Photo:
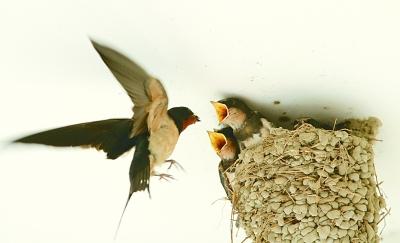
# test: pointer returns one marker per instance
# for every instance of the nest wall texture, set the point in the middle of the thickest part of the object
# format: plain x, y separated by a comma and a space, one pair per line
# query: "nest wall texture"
309, 185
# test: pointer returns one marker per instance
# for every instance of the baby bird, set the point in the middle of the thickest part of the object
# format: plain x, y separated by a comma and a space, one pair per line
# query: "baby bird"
224, 143
248, 125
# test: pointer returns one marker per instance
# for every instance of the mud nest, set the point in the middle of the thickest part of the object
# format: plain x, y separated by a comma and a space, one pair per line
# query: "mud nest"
310, 185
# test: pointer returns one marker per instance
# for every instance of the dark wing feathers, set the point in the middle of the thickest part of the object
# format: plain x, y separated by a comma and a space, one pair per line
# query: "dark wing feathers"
131, 76
143, 89
139, 172
111, 136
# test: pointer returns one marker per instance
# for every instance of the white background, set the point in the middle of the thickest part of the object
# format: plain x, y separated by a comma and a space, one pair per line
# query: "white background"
342, 55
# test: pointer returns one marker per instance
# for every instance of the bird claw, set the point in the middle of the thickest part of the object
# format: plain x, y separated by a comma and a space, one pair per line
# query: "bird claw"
175, 163
165, 177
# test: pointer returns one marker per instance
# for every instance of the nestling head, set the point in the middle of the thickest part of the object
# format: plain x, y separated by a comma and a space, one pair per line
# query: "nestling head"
231, 112
224, 143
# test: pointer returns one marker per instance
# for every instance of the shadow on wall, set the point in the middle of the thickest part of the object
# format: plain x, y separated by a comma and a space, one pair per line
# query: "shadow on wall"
283, 115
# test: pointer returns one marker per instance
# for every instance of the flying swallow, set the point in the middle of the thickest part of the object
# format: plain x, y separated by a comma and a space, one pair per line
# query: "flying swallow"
224, 143
153, 130
248, 125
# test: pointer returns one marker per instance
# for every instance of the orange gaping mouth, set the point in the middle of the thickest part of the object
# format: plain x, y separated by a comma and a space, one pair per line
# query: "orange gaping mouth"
218, 141
221, 110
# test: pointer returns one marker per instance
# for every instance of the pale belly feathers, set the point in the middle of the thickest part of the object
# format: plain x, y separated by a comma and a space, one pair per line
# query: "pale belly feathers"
162, 142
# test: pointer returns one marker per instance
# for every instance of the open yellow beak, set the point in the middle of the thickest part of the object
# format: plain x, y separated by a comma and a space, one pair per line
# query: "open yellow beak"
221, 110
218, 140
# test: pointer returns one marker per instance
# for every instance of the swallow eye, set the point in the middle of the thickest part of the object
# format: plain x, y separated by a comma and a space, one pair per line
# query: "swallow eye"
218, 141
221, 110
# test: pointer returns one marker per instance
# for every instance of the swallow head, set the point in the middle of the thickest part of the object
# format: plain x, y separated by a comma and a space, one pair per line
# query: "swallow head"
231, 112
183, 117
224, 144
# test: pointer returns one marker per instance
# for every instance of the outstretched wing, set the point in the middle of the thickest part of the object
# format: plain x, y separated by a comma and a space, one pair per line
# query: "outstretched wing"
147, 93
111, 136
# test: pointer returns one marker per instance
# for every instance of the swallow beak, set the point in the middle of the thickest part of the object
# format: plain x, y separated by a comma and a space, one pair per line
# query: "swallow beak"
193, 119
221, 110
218, 140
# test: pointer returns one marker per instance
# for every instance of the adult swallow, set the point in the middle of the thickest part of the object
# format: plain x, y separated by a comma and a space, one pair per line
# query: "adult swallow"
248, 125
153, 130
224, 143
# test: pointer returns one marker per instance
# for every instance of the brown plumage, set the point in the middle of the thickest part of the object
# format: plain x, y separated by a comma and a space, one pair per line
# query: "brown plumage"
224, 143
153, 130
248, 125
